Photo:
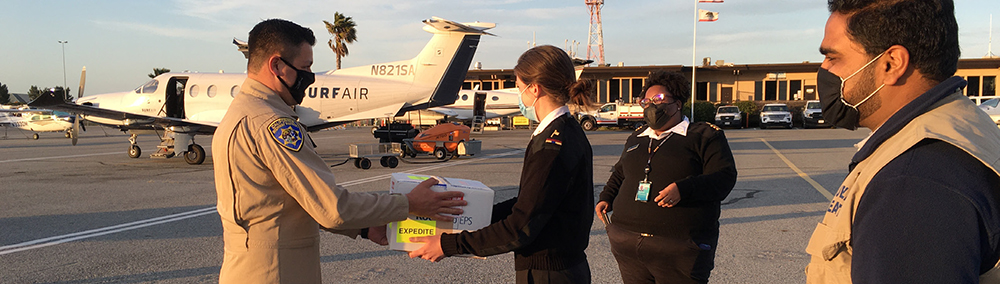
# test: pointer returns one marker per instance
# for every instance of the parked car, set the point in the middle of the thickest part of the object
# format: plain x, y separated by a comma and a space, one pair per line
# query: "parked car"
613, 114
992, 108
775, 115
812, 116
729, 116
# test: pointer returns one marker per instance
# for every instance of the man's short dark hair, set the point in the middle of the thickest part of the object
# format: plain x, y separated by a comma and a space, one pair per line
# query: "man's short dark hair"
674, 82
926, 28
276, 36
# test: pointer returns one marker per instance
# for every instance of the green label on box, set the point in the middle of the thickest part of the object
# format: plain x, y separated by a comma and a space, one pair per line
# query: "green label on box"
414, 228
418, 178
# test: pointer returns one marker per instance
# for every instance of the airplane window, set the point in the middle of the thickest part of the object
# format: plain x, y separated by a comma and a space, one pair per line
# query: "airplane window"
194, 91
149, 87
465, 97
211, 91
236, 89
495, 98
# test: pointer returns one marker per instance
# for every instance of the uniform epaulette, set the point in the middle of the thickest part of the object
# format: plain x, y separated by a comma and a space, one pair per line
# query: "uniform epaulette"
713, 126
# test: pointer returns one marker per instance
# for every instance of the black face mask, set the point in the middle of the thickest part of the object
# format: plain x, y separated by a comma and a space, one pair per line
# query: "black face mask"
834, 109
302, 81
656, 115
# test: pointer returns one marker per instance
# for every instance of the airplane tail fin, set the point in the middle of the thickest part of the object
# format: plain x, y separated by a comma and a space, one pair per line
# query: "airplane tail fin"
440, 66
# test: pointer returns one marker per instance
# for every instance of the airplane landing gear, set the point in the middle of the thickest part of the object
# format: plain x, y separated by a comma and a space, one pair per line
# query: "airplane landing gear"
195, 155
34, 136
133, 149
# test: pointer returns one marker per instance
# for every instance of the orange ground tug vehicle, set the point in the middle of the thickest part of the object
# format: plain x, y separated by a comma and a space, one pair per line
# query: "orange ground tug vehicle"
443, 140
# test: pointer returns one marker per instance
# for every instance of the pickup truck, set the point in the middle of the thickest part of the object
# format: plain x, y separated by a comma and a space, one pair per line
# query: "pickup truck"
613, 114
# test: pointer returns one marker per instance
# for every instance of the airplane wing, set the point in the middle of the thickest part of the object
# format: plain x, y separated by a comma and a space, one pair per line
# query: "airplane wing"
386, 111
130, 120
449, 112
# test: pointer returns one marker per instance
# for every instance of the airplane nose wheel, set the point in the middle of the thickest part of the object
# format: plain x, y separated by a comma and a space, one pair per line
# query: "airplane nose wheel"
195, 155
134, 151
34, 136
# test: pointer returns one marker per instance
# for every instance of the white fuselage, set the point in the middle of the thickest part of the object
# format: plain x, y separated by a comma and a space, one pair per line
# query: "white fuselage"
36, 122
498, 103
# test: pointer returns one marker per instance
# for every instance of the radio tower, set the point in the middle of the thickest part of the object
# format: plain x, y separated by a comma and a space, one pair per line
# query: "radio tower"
595, 44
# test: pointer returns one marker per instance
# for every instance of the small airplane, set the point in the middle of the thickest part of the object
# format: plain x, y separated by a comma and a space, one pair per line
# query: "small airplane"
183, 105
497, 103
38, 120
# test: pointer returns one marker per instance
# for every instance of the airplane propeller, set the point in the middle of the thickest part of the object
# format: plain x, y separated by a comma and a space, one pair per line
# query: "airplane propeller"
75, 132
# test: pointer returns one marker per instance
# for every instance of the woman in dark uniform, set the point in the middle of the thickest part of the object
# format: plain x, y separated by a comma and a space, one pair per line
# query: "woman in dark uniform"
666, 191
547, 225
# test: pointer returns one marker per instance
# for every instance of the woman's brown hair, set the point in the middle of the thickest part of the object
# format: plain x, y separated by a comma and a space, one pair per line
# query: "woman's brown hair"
552, 70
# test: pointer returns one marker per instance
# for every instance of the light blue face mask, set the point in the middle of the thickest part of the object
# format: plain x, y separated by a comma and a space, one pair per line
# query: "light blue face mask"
528, 112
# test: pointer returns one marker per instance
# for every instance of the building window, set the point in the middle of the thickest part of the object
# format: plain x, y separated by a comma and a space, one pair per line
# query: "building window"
795, 89
770, 90
782, 90
758, 90
509, 84
614, 90
989, 85
701, 91
973, 88
626, 94
637, 88
713, 95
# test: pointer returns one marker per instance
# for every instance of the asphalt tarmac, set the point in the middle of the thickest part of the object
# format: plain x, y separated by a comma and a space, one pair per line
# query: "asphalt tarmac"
90, 214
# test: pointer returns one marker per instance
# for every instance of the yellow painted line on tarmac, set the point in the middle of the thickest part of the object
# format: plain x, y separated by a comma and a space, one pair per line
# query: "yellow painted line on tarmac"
802, 174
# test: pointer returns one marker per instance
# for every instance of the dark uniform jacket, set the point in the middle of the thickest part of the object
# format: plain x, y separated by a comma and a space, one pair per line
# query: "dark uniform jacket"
548, 224
701, 164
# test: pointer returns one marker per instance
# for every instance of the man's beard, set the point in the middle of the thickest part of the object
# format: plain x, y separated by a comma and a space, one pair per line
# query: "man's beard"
865, 86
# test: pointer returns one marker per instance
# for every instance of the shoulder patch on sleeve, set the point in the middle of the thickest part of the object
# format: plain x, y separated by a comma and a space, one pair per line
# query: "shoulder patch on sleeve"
286, 132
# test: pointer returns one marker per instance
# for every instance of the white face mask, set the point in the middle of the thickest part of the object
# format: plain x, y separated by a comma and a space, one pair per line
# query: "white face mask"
843, 80
528, 112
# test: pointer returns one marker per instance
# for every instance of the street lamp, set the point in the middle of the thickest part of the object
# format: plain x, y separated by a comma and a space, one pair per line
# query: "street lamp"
63, 43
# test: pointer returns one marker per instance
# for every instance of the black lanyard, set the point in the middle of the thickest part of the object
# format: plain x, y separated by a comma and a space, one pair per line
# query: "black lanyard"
653, 151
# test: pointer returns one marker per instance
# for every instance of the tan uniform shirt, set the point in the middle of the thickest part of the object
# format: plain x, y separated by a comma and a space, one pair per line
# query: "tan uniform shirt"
955, 120
274, 193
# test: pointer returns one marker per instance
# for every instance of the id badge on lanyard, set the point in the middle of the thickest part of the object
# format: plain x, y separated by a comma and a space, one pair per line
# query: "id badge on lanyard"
642, 195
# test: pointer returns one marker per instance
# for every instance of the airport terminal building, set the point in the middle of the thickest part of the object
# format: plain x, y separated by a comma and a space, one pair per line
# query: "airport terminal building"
727, 82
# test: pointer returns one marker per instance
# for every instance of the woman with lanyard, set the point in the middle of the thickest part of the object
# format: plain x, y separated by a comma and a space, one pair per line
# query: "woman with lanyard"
547, 225
666, 190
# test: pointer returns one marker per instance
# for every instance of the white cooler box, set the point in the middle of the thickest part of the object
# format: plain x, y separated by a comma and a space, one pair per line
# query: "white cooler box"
476, 216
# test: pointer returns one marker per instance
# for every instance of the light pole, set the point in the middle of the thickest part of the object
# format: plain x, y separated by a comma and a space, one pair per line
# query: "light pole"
63, 43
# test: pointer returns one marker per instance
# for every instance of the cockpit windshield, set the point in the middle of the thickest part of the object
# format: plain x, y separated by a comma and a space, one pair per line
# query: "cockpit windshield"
148, 88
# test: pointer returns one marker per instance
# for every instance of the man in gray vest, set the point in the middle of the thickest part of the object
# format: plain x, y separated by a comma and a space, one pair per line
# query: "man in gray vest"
922, 201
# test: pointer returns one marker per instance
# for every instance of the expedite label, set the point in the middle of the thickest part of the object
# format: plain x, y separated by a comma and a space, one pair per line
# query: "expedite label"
418, 227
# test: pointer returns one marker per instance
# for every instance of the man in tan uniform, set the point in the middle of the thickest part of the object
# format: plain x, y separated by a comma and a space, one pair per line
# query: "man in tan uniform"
921, 203
274, 191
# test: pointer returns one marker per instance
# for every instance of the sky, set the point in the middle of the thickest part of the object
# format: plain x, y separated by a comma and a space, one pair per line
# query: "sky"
120, 42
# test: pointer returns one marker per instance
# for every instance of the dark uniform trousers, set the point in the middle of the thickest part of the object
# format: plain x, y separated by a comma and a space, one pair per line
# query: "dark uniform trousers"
578, 274
644, 258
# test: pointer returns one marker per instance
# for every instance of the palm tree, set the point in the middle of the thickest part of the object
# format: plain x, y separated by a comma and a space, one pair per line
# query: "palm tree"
157, 72
343, 33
